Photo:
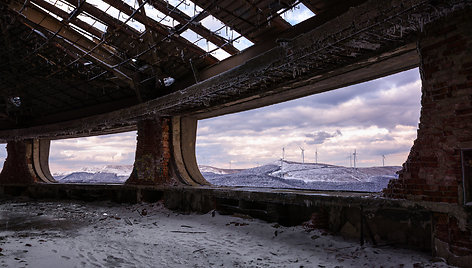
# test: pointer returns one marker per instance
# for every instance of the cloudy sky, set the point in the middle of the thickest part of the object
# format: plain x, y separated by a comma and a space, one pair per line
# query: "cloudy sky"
375, 118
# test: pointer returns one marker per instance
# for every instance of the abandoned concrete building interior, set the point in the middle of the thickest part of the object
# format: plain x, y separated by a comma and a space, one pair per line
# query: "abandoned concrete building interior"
78, 68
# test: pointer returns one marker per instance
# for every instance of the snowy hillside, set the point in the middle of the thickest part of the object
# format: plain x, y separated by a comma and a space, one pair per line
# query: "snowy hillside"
106, 174
308, 176
214, 170
274, 175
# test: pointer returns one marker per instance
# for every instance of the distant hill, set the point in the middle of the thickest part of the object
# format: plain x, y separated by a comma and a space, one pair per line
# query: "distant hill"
308, 176
214, 170
275, 175
106, 174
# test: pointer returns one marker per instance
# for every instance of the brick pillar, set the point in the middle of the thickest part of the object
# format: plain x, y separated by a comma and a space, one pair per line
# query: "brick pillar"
18, 167
432, 171
153, 164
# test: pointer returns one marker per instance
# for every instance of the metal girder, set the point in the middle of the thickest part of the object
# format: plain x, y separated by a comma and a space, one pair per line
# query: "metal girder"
100, 55
183, 19
155, 26
67, 18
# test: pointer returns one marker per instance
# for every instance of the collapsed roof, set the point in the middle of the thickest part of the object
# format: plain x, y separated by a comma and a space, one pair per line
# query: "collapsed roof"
65, 59
79, 67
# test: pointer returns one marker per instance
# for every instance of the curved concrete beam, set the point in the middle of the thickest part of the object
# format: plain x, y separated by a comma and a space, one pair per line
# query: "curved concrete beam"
188, 136
26, 163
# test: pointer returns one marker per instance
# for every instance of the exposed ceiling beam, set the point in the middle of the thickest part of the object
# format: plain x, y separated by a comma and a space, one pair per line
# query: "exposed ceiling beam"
155, 26
67, 18
183, 19
97, 54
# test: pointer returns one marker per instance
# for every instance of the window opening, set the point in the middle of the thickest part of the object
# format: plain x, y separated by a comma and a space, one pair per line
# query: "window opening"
97, 159
92, 21
47, 11
354, 138
296, 14
204, 44
233, 37
3, 154
115, 13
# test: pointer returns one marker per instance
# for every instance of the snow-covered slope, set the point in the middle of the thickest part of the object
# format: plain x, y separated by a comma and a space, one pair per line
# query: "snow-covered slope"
274, 175
308, 176
106, 174
214, 170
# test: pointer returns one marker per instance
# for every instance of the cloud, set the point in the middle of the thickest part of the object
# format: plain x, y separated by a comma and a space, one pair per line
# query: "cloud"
321, 136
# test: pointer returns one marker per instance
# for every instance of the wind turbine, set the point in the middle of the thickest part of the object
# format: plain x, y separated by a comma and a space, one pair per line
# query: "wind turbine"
316, 155
383, 160
355, 157
303, 154
282, 163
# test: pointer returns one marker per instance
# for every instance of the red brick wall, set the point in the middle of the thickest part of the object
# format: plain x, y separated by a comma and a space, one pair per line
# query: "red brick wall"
18, 165
459, 239
153, 163
432, 171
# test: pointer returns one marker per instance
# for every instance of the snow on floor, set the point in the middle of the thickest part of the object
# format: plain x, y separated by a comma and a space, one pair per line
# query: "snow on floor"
75, 234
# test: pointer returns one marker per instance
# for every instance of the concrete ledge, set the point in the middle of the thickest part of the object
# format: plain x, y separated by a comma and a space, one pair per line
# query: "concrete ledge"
364, 216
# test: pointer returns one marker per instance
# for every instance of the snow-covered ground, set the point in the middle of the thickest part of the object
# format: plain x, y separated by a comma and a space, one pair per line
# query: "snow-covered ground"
308, 176
76, 234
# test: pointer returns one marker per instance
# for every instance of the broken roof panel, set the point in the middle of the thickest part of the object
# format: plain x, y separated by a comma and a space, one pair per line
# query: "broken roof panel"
116, 53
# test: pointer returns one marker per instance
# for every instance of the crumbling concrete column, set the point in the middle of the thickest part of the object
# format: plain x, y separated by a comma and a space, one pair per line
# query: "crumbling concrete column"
18, 167
153, 162
433, 170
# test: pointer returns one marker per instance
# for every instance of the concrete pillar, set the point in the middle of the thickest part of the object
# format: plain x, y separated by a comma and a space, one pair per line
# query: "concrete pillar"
433, 170
153, 163
18, 167
165, 153
27, 162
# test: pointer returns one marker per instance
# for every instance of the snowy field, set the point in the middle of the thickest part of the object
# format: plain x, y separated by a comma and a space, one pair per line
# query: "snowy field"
308, 176
74, 234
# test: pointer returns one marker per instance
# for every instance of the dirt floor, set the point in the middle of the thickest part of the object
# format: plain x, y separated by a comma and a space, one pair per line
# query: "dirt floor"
77, 234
